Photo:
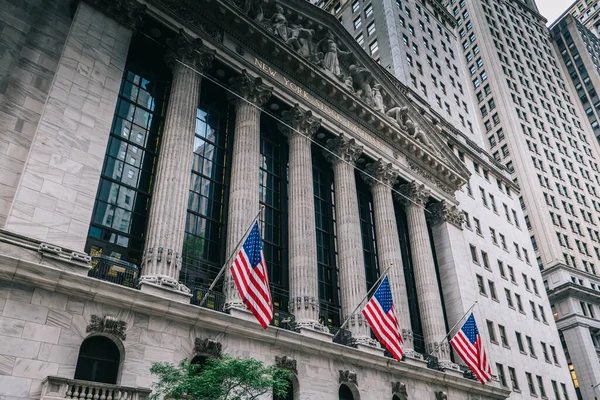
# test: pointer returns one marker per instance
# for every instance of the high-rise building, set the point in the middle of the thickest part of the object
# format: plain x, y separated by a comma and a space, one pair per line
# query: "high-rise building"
586, 12
534, 125
422, 44
578, 50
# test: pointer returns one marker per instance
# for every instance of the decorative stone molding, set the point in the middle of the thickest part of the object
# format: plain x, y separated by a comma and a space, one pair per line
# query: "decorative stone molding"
347, 376
305, 302
439, 350
107, 324
441, 395
399, 389
189, 51
127, 12
165, 281
427, 176
443, 212
286, 362
416, 192
384, 173
343, 149
207, 347
298, 121
250, 89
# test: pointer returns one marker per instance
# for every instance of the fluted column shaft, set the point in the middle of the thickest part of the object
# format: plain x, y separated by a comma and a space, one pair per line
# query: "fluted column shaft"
388, 243
430, 303
166, 223
245, 168
299, 127
351, 264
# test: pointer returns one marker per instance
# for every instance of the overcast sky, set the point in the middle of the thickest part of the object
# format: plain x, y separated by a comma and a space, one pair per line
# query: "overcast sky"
551, 9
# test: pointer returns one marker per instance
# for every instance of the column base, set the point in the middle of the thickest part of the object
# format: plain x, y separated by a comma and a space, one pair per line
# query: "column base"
414, 358
315, 332
165, 292
450, 368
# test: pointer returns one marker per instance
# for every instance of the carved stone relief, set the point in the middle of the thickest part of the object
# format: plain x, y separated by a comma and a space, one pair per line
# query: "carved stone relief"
286, 362
207, 347
443, 212
347, 376
107, 324
399, 389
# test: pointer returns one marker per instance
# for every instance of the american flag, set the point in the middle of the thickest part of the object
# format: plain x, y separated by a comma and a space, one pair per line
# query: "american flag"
379, 313
249, 272
467, 344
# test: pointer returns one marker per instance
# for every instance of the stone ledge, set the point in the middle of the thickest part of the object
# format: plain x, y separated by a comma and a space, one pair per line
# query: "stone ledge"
72, 284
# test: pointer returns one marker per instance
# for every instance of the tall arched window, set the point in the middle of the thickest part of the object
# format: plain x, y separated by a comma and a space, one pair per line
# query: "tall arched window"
345, 393
98, 361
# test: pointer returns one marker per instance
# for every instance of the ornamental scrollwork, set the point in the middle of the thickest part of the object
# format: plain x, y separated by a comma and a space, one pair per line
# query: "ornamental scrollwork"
347, 376
107, 324
208, 347
286, 362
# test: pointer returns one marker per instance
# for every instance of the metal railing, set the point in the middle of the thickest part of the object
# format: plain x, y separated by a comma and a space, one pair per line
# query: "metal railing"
283, 320
344, 336
54, 387
214, 301
114, 270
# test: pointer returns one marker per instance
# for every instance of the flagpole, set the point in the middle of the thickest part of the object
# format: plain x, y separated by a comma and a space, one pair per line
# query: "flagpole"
376, 285
229, 260
459, 321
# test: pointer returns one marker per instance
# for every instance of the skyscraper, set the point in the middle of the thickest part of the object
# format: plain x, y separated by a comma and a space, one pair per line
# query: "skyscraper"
534, 126
422, 45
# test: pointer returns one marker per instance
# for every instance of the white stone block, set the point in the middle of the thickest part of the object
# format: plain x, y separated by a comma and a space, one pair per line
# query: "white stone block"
14, 386
41, 333
26, 312
10, 346
34, 369
56, 301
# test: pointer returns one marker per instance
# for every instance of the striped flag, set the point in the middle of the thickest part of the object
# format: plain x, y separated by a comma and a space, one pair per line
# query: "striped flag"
468, 345
379, 313
249, 272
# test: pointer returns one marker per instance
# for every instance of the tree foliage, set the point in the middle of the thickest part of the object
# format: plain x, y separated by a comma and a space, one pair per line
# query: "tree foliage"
225, 378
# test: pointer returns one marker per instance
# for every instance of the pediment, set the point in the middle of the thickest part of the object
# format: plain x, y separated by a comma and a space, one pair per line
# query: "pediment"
312, 47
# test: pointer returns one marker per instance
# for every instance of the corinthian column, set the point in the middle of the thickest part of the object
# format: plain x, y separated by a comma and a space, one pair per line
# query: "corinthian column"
299, 127
353, 284
166, 224
251, 94
381, 177
430, 303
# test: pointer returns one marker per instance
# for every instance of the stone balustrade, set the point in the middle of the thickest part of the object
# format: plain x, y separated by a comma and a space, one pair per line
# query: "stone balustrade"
54, 387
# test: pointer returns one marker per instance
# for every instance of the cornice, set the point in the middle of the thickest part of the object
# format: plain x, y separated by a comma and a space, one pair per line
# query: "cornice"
258, 36
54, 279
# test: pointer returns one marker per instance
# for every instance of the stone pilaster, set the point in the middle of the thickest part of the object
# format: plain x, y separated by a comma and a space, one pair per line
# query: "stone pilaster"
166, 224
351, 262
300, 126
381, 177
244, 182
430, 303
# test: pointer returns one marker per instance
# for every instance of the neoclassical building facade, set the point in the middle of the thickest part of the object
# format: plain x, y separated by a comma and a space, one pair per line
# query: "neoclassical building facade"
144, 137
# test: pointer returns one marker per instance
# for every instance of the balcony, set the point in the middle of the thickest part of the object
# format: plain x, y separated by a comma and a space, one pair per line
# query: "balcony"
114, 270
283, 320
214, 301
54, 387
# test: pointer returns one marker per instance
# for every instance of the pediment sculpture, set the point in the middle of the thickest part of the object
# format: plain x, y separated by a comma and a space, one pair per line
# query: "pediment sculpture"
322, 48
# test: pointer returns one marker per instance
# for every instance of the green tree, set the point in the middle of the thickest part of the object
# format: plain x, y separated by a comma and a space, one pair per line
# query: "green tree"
225, 378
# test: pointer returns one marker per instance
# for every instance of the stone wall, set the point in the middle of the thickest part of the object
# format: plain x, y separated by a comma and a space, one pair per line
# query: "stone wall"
41, 332
55, 199
32, 35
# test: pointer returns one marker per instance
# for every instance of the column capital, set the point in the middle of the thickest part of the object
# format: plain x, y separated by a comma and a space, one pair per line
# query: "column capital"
345, 148
444, 212
189, 51
250, 89
300, 121
416, 192
383, 172
127, 12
